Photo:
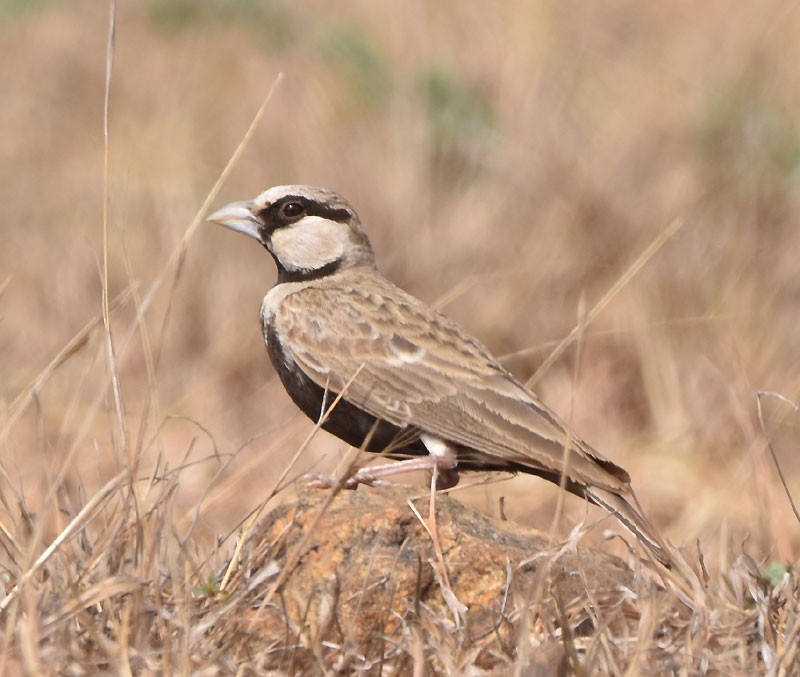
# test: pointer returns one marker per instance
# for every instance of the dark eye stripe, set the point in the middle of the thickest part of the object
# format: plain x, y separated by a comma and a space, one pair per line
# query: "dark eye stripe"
272, 218
327, 211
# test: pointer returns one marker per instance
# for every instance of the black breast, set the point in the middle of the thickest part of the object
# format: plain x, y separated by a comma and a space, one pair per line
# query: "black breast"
347, 421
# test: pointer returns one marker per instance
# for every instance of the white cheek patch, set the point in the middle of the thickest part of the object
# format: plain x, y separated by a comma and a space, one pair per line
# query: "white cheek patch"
310, 244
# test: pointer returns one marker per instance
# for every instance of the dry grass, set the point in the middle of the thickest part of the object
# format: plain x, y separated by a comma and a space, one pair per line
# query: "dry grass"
510, 160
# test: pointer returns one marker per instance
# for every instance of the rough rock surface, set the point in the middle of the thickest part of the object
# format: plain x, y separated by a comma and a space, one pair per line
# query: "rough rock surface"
349, 577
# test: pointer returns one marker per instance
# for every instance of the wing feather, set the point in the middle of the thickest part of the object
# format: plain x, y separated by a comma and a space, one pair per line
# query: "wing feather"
417, 368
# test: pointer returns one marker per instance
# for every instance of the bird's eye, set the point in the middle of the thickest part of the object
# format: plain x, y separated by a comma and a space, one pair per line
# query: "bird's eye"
291, 210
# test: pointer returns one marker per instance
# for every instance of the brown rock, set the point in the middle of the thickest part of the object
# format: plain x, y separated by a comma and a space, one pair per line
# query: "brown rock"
354, 580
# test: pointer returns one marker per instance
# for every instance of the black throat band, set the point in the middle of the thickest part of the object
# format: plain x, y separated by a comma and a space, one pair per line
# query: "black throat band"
306, 274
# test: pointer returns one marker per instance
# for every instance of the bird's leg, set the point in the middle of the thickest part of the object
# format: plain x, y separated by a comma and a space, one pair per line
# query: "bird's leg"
442, 458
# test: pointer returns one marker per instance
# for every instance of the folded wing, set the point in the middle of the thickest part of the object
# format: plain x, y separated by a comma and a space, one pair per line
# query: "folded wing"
411, 366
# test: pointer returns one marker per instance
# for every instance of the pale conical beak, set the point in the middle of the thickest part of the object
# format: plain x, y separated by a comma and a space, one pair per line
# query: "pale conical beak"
237, 216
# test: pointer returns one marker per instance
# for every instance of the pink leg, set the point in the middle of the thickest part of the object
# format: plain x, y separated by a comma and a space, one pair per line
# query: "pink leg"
442, 458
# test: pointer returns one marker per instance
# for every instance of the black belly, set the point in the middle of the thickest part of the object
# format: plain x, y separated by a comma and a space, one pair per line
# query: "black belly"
347, 421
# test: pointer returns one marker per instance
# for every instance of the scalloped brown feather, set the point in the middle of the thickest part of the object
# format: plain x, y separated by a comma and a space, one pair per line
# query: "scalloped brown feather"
417, 368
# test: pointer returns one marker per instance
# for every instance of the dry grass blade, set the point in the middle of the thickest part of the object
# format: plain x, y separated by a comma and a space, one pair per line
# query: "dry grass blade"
95, 594
176, 258
180, 250
111, 357
651, 250
796, 408
303, 544
25, 397
77, 523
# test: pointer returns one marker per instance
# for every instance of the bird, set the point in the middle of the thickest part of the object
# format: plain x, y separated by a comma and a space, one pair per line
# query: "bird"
386, 372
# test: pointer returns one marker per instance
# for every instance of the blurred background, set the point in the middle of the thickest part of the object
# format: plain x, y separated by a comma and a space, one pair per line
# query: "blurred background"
510, 159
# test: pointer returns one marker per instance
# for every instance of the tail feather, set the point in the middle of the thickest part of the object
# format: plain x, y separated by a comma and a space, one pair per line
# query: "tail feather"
633, 520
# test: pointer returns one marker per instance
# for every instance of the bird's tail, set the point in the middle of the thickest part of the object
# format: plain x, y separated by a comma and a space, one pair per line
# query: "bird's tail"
633, 520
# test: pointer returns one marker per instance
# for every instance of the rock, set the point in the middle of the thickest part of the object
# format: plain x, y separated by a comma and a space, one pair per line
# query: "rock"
353, 580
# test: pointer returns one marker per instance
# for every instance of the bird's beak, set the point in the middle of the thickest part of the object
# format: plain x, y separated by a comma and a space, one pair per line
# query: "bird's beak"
237, 216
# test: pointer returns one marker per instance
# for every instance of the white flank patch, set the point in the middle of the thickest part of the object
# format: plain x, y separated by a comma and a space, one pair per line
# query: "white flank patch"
437, 447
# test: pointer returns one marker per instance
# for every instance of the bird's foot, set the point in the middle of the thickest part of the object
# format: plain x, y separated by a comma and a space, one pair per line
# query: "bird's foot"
320, 481
446, 473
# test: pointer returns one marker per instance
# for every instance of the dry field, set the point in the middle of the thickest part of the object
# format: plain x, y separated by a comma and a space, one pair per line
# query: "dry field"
513, 162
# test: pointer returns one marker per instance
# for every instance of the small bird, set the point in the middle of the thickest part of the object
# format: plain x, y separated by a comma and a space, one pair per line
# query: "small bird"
410, 383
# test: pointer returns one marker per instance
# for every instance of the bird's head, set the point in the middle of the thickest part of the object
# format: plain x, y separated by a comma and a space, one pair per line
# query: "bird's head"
309, 231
